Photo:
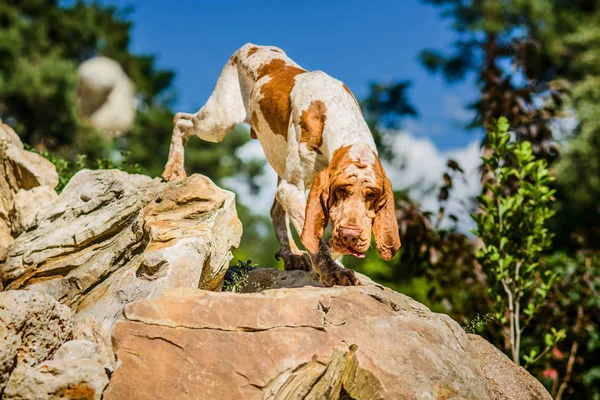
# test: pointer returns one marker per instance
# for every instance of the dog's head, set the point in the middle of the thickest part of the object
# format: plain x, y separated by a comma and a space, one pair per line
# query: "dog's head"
355, 194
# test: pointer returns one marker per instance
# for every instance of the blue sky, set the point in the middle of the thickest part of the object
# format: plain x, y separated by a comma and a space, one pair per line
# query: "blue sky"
356, 42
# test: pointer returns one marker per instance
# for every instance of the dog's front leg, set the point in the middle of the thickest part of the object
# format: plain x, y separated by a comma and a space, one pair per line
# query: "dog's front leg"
291, 198
182, 124
292, 257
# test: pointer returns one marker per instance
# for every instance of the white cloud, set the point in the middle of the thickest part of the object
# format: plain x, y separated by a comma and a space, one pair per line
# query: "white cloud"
420, 129
564, 128
419, 167
455, 109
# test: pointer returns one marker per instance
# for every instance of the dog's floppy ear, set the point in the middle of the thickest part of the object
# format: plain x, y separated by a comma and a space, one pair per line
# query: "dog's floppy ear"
385, 224
316, 216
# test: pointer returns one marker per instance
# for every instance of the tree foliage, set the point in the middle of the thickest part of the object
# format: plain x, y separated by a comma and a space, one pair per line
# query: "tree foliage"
536, 61
41, 47
386, 105
500, 42
42, 44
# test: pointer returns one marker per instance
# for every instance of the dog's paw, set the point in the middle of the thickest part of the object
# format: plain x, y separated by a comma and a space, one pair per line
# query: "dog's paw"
340, 277
173, 173
292, 261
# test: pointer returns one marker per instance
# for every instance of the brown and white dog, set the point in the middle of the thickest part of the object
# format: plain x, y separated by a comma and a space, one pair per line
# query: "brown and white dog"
312, 131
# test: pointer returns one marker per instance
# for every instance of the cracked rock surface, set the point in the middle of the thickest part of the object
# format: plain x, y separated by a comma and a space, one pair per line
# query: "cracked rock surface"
364, 342
61, 378
27, 181
111, 238
32, 327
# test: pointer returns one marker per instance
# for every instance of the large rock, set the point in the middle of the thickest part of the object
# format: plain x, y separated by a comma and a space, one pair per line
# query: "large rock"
75, 372
73, 378
112, 238
364, 342
20, 171
32, 327
505, 380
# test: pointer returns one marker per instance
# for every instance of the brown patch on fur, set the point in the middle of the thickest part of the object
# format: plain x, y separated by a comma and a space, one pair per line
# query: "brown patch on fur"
253, 123
312, 122
443, 392
352, 94
385, 224
276, 50
275, 103
317, 204
252, 51
316, 215
340, 160
267, 68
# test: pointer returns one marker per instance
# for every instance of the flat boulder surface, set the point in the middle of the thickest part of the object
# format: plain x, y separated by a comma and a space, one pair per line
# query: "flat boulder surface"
363, 342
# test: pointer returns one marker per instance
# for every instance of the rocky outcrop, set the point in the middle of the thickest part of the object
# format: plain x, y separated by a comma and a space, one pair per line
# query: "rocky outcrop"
32, 327
112, 238
27, 181
364, 342
138, 251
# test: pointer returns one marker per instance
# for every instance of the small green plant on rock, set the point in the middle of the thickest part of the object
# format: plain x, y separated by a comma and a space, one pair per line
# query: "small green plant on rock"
511, 225
236, 278
478, 323
66, 169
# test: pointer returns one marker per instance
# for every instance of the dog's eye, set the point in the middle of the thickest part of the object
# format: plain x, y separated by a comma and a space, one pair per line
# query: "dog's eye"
370, 196
341, 192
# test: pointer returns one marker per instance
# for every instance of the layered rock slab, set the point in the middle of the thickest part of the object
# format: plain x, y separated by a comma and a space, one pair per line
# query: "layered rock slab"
22, 172
112, 238
364, 342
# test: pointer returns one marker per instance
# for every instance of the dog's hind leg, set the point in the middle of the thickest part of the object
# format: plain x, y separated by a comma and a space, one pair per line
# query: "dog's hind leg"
225, 108
293, 258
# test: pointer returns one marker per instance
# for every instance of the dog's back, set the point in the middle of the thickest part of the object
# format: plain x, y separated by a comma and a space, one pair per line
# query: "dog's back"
276, 90
254, 62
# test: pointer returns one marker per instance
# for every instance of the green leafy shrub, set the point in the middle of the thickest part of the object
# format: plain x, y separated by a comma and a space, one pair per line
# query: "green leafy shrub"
511, 224
66, 169
477, 324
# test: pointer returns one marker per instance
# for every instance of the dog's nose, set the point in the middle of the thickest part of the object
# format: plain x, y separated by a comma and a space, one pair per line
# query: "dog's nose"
350, 233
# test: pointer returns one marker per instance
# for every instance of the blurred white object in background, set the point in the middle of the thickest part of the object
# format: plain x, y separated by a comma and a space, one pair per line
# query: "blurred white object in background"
105, 96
